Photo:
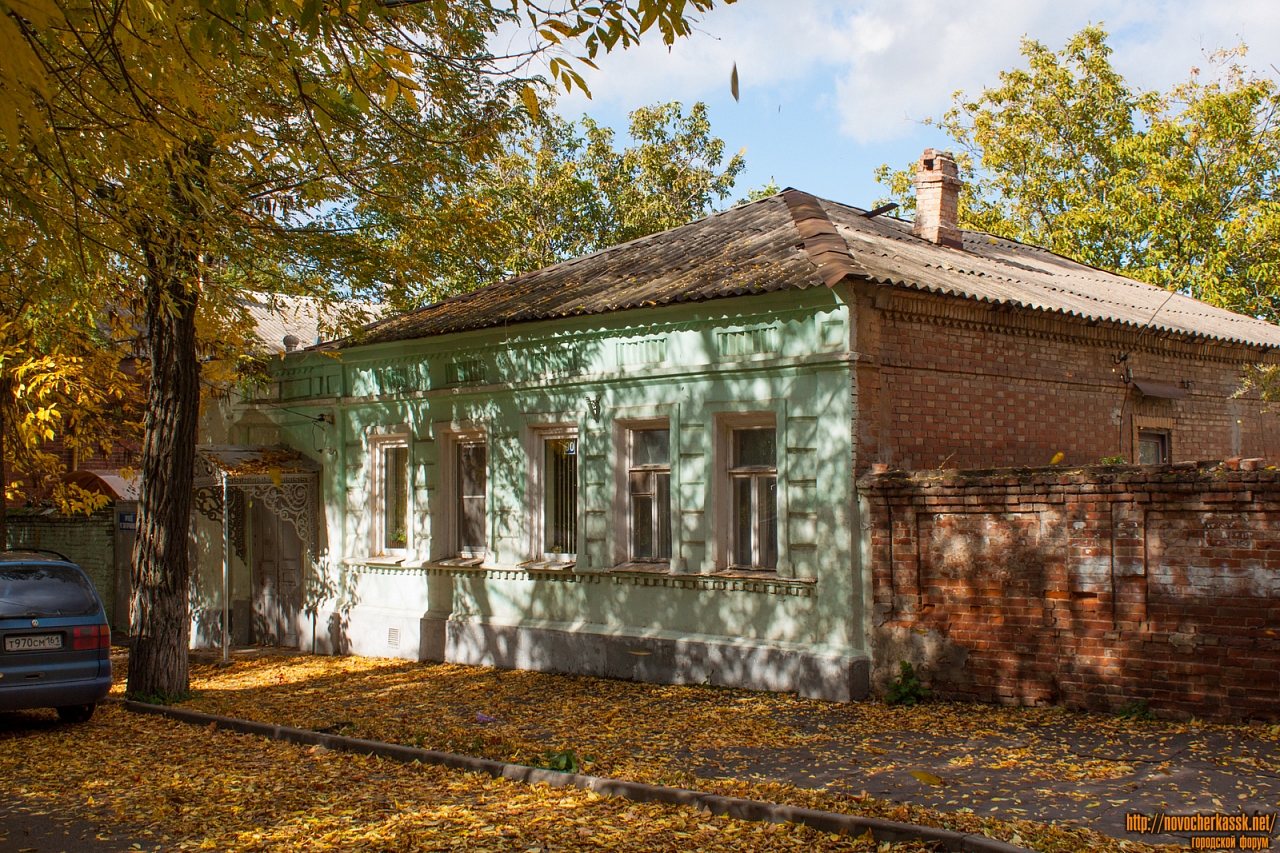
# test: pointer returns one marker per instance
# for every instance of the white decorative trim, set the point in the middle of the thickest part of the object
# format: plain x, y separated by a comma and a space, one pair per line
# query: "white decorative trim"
718, 582
378, 440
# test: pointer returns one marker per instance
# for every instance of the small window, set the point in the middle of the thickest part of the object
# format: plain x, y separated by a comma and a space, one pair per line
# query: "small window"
753, 482
393, 494
472, 463
1153, 447
649, 487
560, 496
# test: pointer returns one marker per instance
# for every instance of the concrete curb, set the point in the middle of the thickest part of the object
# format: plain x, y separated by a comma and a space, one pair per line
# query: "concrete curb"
753, 810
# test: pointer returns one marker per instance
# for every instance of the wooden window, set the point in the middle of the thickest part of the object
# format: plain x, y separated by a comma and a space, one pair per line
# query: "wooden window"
753, 489
1153, 447
471, 464
649, 493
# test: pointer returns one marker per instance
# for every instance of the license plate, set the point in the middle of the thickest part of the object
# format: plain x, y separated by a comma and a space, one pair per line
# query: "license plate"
38, 643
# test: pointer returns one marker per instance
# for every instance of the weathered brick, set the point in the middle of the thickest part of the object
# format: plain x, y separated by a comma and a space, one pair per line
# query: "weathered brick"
1029, 594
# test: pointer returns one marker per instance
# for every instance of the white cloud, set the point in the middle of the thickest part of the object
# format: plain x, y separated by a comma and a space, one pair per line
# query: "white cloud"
771, 44
880, 64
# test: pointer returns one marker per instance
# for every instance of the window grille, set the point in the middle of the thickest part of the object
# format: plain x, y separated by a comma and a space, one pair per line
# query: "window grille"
560, 496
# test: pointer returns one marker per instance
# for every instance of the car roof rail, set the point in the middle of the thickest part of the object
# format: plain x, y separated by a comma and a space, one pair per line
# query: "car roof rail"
63, 557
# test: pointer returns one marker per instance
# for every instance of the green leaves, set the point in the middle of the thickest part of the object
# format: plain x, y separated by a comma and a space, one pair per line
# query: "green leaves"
1176, 189
907, 690
557, 191
564, 761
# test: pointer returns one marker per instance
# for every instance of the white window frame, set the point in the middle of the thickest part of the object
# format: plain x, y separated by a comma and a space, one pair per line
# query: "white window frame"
454, 494
728, 424
537, 482
377, 450
626, 551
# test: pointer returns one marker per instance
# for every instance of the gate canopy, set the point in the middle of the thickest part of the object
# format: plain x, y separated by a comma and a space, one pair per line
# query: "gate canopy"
286, 481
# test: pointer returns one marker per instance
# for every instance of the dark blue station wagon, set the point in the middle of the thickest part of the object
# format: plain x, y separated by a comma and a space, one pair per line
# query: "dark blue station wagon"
55, 645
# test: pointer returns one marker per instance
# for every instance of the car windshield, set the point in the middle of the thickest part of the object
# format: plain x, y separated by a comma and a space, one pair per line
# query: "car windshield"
45, 591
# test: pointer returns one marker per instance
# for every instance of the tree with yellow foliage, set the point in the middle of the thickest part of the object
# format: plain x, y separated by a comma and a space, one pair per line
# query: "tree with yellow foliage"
190, 149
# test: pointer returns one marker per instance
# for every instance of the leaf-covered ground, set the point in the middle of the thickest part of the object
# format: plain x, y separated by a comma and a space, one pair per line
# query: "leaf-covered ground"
181, 787
1013, 773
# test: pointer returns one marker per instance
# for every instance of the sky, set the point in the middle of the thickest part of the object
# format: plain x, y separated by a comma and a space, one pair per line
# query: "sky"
830, 90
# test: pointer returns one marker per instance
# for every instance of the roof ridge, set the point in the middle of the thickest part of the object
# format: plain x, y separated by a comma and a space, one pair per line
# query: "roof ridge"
826, 249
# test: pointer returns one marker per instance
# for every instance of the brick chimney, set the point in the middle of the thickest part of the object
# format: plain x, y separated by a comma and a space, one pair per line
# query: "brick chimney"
937, 198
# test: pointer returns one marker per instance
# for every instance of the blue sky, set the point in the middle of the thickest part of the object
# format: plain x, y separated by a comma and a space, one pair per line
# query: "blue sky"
830, 90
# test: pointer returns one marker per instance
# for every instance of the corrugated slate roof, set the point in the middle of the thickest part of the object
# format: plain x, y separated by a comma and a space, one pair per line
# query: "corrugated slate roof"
794, 240
276, 315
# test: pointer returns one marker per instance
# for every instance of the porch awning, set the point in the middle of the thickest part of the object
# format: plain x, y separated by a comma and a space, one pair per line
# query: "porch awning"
244, 464
1164, 390
281, 477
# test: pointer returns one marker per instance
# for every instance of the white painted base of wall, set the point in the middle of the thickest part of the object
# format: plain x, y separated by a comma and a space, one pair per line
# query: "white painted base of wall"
654, 657
663, 657
599, 650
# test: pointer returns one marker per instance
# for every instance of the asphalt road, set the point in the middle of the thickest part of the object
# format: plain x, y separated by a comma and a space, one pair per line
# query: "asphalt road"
26, 831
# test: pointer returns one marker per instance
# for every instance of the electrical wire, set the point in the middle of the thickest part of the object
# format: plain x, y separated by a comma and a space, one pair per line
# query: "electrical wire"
319, 419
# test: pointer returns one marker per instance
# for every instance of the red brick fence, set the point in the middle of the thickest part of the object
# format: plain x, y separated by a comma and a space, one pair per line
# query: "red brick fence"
1090, 588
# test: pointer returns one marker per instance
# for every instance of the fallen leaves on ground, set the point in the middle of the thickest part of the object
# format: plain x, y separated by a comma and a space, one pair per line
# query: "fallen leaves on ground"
633, 729
187, 788
658, 733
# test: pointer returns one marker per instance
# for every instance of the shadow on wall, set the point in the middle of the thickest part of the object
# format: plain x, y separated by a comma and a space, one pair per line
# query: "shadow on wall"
788, 615
1092, 588
332, 594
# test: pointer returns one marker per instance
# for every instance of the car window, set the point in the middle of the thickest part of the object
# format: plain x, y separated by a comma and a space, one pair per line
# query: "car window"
45, 591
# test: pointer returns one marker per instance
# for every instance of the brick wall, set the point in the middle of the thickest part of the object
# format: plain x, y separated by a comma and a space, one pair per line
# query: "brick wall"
1087, 587
88, 541
944, 381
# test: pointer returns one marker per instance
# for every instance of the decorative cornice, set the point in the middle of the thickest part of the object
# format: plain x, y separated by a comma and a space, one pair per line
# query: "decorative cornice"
970, 314
719, 581
522, 360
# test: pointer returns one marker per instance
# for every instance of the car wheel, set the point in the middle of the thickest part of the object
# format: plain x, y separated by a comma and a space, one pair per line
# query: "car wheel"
76, 713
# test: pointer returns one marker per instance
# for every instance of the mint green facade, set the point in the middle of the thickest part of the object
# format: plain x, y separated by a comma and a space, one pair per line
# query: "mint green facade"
780, 359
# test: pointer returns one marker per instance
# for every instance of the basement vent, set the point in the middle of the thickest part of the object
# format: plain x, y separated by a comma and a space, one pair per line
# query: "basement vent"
747, 342
465, 371
393, 638
648, 351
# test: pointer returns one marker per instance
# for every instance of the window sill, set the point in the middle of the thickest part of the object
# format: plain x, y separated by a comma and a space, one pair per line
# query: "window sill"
458, 562
632, 574
742, 572
380, 562
663, 567
649, 567
549, 565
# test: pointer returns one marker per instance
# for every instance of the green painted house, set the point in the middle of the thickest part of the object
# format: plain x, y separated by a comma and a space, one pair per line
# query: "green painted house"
641, 463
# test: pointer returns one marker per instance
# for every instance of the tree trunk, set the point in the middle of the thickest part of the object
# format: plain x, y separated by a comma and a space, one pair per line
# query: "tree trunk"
160, 623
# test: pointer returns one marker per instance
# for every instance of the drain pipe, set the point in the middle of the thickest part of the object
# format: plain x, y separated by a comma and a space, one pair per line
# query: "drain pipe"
226, 570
